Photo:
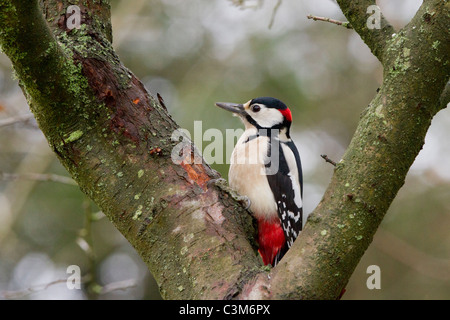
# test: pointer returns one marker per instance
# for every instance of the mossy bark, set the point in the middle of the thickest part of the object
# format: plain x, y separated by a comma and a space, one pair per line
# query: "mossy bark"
389, 136
115, 140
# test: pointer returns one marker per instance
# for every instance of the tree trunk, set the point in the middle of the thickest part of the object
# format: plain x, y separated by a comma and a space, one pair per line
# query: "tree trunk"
115, 139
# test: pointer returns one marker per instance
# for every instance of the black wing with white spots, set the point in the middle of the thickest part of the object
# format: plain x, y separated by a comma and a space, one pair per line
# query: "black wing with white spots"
287, 191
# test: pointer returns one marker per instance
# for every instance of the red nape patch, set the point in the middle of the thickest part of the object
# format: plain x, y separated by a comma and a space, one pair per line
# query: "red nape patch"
287, 114
270, 239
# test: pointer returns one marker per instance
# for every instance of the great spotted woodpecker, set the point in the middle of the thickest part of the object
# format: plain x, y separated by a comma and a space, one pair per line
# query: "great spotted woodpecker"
265, 166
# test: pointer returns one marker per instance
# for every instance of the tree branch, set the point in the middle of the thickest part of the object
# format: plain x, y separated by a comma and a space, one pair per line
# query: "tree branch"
376, 38
37, 177
110, 287
389, 136
345, 24
274, 13
102, 124
37, 58
325, 157
16, 119
410, 256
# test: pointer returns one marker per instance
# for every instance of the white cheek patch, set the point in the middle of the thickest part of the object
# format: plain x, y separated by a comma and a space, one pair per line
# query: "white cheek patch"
267, 117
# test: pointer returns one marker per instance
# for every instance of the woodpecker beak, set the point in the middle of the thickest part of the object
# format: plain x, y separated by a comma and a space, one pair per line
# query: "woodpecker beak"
233, 107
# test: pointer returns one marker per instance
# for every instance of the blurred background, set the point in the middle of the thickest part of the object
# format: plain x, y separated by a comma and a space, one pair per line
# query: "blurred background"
195, 53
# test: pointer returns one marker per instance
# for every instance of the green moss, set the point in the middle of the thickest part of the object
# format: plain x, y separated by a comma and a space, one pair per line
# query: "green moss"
74, 136
401, 65
138, 213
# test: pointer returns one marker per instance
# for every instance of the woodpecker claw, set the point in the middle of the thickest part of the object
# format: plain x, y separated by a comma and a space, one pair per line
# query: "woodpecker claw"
246, 199
249, 203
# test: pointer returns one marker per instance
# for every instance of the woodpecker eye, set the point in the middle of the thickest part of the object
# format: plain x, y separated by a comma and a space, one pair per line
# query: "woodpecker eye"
256, 108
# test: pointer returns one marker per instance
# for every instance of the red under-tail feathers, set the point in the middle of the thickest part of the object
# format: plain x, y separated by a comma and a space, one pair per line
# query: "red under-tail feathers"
271, 240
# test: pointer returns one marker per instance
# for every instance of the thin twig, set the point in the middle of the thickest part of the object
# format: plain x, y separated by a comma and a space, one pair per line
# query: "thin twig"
409, 255
85, 242
118, 285
25, 292
110, 287
274, 12
16, 119
37, 177
325, 157
244, 5
345, 24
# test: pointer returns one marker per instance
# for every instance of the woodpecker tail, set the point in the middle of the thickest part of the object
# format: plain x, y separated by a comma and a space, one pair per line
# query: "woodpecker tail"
271, 240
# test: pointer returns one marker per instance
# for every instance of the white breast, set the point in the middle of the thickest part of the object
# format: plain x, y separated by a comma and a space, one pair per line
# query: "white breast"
247, 175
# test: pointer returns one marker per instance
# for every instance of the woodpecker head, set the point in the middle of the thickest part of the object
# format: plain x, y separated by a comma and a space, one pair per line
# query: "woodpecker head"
261, 113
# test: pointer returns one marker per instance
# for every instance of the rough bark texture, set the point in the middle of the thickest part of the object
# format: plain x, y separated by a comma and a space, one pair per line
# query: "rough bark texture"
389, 136
115, 140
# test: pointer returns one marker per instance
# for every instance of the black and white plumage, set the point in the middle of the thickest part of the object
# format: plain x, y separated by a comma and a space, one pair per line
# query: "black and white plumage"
289, 191
266, 167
